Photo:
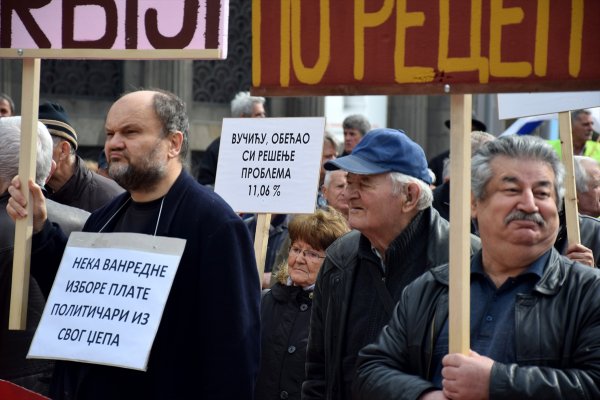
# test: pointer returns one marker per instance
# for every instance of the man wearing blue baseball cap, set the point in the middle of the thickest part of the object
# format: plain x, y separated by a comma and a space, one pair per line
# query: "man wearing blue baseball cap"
397, 237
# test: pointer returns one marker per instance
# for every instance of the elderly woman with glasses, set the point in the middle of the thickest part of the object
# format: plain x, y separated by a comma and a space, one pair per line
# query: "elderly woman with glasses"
285, 308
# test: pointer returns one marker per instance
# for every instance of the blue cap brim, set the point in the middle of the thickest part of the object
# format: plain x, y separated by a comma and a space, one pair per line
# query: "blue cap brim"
355, 165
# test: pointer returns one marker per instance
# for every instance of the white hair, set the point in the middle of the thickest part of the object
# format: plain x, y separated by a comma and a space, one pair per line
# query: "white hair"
399, 181
10, 144
243, 103
57, 140
328, 174
582, 178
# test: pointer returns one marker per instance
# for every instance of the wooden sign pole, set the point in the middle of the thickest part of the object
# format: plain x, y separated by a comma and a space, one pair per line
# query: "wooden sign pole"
460, 215
566, 146
261, 239
27, 161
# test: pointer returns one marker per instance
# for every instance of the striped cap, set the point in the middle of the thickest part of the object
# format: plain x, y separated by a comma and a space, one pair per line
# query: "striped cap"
57, 121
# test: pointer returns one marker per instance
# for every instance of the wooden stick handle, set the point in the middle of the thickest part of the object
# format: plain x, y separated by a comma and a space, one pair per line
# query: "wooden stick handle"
24, 227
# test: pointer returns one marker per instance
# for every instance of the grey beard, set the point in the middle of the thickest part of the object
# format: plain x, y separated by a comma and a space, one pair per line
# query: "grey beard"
134, 178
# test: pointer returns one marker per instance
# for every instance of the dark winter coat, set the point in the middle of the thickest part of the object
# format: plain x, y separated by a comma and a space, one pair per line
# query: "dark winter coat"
86, 189
14, 344
285, 319
332, 295
208, 341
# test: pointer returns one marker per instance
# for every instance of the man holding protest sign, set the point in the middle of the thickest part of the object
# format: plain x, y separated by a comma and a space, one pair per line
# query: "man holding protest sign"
211, 316
535, 321
398, 237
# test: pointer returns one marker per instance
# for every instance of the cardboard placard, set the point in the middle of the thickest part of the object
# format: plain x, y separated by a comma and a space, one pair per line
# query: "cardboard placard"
141, 29
270, 165
107, 299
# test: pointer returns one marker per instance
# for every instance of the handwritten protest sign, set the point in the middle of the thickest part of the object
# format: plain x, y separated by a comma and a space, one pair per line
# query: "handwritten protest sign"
270, 165
107, 29
154, 29
107, 299
423, 47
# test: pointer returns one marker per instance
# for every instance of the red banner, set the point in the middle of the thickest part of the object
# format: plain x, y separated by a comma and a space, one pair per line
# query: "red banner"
10, 391
424, 47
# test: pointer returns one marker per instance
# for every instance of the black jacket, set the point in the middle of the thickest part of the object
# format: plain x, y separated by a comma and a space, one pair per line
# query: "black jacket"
557, 339
86, 189
441, 202
331, 298
589, 233
285, 318
14, 344
207, 169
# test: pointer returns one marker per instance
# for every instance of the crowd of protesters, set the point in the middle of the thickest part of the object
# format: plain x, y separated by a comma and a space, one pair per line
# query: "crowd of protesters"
355, 300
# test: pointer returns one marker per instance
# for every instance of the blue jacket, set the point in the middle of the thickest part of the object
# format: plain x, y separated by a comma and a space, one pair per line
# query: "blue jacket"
208, 341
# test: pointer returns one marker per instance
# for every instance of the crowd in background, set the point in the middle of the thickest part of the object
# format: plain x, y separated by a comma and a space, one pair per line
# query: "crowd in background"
354, 300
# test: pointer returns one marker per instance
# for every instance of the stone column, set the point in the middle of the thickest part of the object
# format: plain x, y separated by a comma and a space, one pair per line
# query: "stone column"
310, 106
412, 114
176, 76
10, 80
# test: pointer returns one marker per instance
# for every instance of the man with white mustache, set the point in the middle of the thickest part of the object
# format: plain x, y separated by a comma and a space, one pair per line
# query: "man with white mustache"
535, 320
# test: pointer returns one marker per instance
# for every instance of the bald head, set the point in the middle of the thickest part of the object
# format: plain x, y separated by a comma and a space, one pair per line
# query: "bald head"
169, 110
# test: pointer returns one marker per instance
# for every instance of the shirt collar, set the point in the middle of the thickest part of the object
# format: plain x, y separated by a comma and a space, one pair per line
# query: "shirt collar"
535, 268
305, 288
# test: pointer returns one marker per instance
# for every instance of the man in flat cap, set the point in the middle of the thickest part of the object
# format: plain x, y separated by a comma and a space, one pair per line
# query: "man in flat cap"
73, 183
398, 236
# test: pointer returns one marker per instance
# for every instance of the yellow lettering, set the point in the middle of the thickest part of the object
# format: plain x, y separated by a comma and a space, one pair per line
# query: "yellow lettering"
402, 73
576, 37
256, 21
458, 64
284, 64
540, 58
311, 75
500, 16
364, 20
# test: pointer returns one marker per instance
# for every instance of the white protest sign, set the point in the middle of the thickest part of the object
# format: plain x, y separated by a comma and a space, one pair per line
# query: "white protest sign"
514, 105
107, 299
270, 165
